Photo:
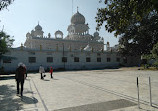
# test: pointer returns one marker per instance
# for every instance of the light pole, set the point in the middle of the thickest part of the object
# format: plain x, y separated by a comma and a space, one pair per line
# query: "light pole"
0, 52
63, 56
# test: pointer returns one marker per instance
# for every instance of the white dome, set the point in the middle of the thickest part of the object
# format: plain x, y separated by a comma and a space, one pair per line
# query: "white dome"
38, 27
96, 34
77, 19
79, 28
59, 32
28, 34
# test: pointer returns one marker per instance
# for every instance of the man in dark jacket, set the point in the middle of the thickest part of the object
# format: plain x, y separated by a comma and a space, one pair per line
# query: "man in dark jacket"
20, 77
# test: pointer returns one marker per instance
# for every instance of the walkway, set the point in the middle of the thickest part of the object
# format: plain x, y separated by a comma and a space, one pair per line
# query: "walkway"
96, 90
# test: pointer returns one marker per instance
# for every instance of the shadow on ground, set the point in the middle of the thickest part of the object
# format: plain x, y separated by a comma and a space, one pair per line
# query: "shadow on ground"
28, 100
10, 102
7, 77
55, 79
103, 106
46, 80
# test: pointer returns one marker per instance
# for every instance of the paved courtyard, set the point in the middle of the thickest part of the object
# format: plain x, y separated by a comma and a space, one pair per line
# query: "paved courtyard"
91, 90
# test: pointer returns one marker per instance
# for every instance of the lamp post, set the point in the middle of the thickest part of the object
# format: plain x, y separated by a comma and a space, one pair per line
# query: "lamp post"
63, 56
1, 39
0, 52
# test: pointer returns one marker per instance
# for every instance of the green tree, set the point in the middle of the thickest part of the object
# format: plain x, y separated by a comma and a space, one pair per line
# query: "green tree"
118, 14
134, 21
155, 54
155, 51
5, 42
139, 38
155, 3
5, 3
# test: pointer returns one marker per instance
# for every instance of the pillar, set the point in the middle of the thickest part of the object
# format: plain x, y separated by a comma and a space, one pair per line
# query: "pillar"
40, 47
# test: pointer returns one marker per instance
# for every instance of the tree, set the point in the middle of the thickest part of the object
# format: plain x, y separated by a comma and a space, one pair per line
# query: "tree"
5, 3
5, 42
118, 14
155, 51
140, 38
155, 55
134, 21
155, 3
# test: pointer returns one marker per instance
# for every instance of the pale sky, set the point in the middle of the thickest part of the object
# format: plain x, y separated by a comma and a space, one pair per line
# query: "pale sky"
23, 15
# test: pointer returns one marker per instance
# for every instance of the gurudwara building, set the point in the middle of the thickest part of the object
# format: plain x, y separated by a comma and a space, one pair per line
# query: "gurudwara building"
78, 50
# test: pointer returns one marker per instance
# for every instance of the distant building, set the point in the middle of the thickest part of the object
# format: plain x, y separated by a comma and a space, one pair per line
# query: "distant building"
78, 50
77, 39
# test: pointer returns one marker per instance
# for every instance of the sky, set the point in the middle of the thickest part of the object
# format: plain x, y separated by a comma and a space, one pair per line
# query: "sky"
23, 15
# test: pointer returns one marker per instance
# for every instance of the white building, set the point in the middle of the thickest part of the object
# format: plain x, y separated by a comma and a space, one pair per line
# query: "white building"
77, 39
78, 50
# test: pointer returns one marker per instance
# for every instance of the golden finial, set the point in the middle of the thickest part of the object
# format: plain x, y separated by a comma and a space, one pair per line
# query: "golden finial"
21, 46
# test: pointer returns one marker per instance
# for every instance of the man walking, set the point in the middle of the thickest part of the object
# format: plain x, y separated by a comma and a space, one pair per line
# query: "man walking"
41, 71
20, 77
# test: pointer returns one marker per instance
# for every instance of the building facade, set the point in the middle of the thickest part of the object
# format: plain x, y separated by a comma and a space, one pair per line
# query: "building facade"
78, 37
78, 50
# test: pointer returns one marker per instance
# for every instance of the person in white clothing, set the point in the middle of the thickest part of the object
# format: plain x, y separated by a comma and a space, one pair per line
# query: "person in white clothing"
41, 70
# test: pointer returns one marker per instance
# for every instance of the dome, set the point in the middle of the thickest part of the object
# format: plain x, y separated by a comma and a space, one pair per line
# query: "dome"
78, 19
58, 34
96, 34
28, 34
79, 28
38, 27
